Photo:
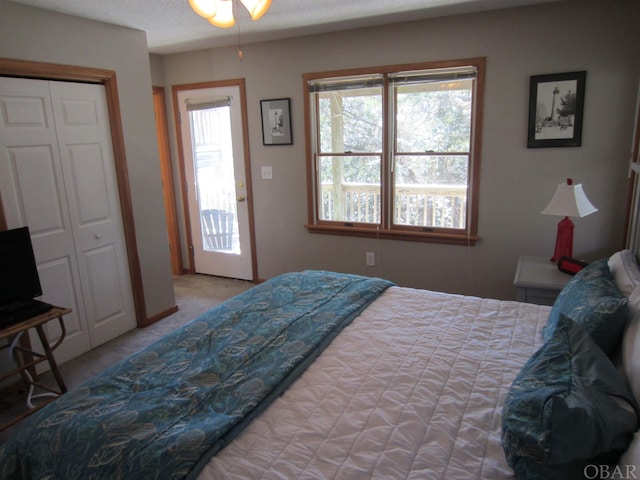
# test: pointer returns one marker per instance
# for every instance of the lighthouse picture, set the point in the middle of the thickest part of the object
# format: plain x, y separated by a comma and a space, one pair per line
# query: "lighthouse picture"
555, 110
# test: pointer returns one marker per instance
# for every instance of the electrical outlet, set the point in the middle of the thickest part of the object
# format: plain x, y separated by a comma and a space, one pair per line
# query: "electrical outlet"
370, 259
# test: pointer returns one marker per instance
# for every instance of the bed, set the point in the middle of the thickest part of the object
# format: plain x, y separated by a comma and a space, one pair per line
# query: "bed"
384, 382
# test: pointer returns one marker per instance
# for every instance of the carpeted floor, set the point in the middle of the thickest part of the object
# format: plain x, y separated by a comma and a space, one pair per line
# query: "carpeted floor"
195, 294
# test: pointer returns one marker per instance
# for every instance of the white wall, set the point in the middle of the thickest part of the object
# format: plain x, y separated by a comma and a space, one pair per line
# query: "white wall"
516, 182
36, 35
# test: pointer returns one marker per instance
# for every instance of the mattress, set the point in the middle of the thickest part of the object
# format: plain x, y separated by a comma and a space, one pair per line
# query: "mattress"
166, 410
413, 388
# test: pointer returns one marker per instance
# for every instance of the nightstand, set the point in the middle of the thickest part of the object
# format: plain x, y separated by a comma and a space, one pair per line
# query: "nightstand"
538, 280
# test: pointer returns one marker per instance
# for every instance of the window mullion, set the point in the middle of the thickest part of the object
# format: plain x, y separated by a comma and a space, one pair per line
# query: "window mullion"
388, 147
337, 139
314, 143
393, 150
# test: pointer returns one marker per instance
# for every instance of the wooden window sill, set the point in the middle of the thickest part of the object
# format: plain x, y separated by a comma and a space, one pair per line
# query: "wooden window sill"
427, 237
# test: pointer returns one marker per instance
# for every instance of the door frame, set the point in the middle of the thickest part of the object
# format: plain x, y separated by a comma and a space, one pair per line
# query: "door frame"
107, 78
166, 171
240, 83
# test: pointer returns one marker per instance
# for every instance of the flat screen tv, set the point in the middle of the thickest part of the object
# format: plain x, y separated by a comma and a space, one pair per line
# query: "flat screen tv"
19, 280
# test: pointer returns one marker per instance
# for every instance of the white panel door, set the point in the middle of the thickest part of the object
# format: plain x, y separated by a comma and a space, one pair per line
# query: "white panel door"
33, 194
54, 186
86, 153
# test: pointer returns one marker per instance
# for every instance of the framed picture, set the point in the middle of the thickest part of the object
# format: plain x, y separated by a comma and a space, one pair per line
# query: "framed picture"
276, 121
556, 105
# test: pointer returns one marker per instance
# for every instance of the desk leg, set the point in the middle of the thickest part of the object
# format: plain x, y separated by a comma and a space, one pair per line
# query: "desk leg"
28, 373
25, 341
52, 361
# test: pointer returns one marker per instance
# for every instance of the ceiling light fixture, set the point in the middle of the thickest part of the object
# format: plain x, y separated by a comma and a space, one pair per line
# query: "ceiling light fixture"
220, 12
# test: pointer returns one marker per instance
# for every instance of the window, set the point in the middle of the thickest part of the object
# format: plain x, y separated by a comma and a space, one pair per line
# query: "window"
394, 151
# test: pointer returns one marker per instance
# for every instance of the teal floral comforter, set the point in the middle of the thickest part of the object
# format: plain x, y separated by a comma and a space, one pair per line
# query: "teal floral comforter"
163, 412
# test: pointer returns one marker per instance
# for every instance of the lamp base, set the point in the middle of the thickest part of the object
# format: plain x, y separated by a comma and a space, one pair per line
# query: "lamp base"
564, 240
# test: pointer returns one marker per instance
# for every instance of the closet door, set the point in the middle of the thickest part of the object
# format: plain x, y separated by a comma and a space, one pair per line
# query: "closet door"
84, 139
32, 191
56, 176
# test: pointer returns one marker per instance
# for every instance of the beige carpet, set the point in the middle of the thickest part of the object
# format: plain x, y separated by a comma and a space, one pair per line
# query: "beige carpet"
195, 294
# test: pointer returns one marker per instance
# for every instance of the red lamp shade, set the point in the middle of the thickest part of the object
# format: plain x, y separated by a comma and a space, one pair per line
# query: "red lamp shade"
568, 201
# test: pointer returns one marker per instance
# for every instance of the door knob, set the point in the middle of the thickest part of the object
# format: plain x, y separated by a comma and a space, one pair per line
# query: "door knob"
242, 198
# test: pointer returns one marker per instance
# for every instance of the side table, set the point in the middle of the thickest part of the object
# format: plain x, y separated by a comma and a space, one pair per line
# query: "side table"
30, 358
538, 280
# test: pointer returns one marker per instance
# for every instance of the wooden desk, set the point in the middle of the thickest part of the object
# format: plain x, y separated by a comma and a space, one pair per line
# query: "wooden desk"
26, 358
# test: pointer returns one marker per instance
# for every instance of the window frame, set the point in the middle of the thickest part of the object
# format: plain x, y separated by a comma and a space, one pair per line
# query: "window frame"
386, 228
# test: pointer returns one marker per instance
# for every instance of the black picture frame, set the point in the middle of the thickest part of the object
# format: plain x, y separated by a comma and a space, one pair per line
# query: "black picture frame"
556, 108
276, 121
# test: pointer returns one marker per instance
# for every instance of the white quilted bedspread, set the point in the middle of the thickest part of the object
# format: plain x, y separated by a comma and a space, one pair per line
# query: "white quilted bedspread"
413, 388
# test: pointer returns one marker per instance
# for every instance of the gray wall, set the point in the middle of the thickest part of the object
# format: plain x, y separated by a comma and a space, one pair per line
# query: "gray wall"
37, 35
516, 182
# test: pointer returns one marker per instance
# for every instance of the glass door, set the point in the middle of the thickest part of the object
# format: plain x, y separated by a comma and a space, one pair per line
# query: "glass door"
213, 144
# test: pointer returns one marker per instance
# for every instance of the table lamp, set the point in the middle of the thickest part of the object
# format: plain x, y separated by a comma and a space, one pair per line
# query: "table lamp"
568, 201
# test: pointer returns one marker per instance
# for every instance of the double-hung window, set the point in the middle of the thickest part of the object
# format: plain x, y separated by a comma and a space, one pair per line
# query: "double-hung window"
394, 152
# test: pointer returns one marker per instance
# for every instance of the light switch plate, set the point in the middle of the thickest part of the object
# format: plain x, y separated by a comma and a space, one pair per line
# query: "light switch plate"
267, 173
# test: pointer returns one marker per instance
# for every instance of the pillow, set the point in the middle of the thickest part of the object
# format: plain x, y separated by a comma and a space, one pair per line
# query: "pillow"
630, 459
593, 301
631, 346
625, 270
568, 408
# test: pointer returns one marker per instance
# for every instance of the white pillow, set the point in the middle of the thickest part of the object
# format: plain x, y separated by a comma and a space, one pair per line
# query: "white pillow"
630, 460
631, 345
631, 363
625, 270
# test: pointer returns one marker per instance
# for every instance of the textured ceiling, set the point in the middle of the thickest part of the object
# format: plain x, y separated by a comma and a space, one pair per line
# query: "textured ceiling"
172, 26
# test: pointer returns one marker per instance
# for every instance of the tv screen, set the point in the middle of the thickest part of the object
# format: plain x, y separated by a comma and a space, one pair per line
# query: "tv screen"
19, 278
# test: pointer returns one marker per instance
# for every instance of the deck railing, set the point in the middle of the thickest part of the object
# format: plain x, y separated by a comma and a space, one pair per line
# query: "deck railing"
440, 206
